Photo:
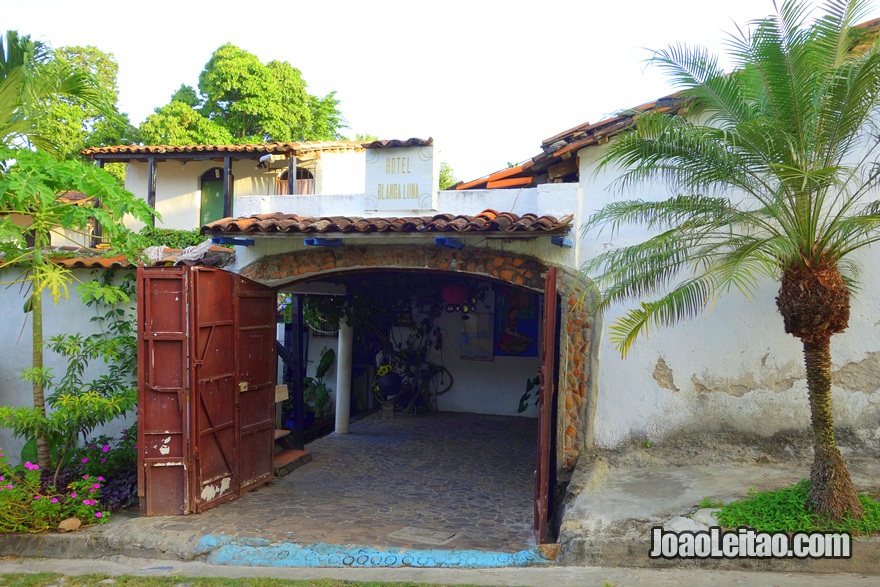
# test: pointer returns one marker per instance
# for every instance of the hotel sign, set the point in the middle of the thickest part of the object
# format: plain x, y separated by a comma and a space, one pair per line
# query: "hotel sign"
401, 179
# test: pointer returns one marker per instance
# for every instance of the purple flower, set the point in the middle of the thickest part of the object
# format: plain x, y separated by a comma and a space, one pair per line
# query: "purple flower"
99, 478
97, 486
54, 500
106, 448
103, 460
85, 460
36, 497
98, 514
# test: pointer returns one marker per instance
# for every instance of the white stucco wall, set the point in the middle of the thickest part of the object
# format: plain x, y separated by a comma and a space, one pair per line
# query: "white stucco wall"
340, 173
67, 317
178, 189
734, 367
482, 387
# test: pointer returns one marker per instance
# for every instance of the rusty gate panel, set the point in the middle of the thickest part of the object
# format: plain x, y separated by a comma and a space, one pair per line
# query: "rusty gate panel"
547, 391
206, 382
163, 461
215, 474
255, 309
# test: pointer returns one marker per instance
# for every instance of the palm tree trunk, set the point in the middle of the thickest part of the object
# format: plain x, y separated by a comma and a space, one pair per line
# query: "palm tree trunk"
43, 455
832, 492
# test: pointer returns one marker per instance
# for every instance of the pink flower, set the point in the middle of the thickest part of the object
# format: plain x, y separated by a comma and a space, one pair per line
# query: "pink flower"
2, 478
85, 476
36, 497
54, 500
73, 495
99, 478
91, 490
9, 486
98, 514
87, 502
97, 486
85, 460
106, 448
103, 460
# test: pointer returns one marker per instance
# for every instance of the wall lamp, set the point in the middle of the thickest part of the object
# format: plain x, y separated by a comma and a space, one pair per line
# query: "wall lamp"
445, 241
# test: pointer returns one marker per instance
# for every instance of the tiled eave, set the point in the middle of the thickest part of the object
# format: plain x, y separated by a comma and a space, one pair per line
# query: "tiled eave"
488, 223
86, 258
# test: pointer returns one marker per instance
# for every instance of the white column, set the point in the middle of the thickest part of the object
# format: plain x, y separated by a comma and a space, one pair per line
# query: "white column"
343, 377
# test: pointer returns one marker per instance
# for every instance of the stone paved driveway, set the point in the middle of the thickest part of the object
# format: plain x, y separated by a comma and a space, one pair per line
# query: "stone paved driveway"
439, 480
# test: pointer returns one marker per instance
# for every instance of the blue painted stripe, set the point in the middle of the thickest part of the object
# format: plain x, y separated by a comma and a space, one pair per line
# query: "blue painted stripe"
256, 552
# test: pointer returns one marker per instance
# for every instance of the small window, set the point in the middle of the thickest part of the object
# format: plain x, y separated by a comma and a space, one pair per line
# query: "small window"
305, 183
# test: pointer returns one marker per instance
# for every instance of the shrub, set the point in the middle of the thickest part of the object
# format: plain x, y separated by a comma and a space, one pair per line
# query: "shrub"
28, 505
114, 461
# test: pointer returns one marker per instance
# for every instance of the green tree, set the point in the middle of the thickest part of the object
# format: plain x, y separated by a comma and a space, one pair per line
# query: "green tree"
30, 181
73, 124
246, 100
29, 187
776, 164
447, 176
178, 123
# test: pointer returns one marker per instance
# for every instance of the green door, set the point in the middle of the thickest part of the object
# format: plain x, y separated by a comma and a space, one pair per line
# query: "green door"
212, 196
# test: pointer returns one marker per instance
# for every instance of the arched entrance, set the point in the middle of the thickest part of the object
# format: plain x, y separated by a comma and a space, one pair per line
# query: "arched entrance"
575, 399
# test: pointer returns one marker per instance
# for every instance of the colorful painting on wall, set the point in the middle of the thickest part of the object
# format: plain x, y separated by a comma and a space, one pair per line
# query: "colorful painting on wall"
516, 322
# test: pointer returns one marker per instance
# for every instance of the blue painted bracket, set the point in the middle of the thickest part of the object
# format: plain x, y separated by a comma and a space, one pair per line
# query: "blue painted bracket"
323, 242
561, 241
229, 240
445, 241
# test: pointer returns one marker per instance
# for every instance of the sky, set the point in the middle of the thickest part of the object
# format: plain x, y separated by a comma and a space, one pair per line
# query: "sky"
488, 80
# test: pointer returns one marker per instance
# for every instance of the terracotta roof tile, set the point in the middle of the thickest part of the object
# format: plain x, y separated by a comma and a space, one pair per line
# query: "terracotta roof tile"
488, 221
85, 258
249, 149
387, 144
256, 149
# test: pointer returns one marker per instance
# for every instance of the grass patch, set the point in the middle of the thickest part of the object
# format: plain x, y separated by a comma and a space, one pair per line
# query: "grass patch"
46, 579
786, 510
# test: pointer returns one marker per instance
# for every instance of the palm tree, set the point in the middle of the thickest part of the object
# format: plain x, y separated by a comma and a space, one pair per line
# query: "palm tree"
26, 82
777, 165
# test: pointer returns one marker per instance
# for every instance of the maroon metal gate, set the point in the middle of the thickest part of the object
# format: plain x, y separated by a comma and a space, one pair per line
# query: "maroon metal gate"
206, 373
547, 391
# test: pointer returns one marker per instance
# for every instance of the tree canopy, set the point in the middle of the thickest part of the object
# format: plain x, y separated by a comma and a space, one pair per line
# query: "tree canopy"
242, 100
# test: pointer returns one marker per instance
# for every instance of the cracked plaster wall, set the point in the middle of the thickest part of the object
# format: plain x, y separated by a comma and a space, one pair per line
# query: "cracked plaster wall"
731, 368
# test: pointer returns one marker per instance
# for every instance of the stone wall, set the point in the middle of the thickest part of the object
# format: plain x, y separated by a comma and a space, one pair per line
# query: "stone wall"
576, 382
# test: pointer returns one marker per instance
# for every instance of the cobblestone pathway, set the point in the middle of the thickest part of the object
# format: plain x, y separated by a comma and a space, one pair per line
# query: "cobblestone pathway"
440, 480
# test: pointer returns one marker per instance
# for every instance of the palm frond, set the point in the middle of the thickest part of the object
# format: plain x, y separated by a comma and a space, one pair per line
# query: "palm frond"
687, 300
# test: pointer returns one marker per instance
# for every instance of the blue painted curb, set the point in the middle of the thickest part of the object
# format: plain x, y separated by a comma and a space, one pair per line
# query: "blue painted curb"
257, 552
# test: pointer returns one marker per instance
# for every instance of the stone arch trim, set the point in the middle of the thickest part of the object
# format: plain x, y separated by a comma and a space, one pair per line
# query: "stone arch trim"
576, 382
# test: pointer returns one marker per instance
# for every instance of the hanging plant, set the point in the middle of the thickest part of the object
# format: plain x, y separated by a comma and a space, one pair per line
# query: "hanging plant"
323, 313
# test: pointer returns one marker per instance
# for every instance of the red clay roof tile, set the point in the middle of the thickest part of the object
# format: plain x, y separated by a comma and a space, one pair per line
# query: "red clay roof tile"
488, 221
